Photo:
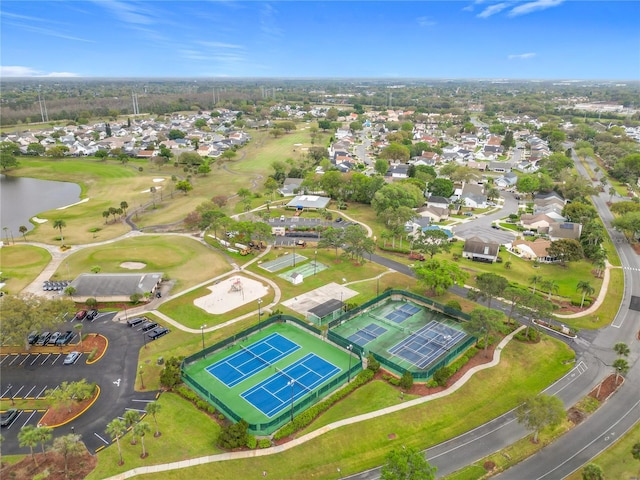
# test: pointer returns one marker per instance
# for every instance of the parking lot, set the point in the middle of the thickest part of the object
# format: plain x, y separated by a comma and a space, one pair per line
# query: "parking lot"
27, 375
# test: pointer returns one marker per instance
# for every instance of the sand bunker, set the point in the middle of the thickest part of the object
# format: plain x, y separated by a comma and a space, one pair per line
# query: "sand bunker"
158, 180
133, 265
73, 204
231, 293
39, 220
149, 190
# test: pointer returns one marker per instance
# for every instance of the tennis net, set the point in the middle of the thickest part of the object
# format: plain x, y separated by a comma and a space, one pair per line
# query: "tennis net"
292, 380
387, 322
255, 355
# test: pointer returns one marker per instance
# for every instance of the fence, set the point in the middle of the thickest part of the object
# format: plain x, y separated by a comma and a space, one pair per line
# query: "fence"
301, 405
398, 295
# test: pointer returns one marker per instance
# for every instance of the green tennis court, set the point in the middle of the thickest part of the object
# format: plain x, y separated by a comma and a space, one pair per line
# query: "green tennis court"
306, 270
267, 376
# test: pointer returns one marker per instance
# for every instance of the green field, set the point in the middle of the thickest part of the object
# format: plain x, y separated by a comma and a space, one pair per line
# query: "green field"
21, 264
185, 260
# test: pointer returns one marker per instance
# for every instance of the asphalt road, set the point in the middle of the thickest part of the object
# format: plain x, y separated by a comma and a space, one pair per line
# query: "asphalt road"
481, 226
115, 374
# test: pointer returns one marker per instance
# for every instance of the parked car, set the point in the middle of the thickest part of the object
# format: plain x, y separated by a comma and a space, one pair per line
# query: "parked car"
80, 315
132, 322
33, 337
43, 338
8, 417
71, 358
416, 256
91, 314
157, 332
148, 326
64, 338
338, 220
54, 338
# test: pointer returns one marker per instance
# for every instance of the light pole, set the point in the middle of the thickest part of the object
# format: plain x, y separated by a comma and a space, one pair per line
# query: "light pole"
141, 379
294, 253
350, 348
378, 287
291, 383
315, 261
259, 311
202, 327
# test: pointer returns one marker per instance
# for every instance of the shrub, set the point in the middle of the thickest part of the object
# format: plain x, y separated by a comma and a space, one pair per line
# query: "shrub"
453, 304
93, 354
264, 443
372, 363
170, 375
234, 435
532, 336
406, 382
251, 442
442, 375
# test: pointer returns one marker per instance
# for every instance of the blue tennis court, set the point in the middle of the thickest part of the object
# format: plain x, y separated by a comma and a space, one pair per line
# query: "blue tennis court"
252, 359
424, 346
399, 315
284, 387
367, 334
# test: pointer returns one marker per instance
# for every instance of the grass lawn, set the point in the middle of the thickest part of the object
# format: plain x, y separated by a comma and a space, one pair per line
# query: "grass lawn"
418, 427
21, 264
186, 433
183, 259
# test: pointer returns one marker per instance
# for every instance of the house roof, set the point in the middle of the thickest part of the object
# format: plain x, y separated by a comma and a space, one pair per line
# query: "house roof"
538, 246
479, 246
437, 199
114, 284
309, 201
565, 230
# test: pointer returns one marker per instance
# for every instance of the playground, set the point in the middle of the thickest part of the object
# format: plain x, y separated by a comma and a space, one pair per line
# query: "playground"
231, 293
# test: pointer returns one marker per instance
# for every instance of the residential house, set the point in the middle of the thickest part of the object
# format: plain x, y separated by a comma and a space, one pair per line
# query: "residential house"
480, 250
507, 180
500, 167
538, 222
473, 196
440, 202
565, 230
536, 250
290, 187
435, 214
398, 170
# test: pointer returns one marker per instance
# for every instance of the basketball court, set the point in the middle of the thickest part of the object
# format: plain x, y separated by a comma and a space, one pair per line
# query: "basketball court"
305, 302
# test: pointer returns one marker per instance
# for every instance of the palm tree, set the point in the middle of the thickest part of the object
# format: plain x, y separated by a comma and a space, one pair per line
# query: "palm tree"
106, 214
535, 280
621, 367
131, 417
44, 435
68, 446
600, 264
551, 286
78, 326
612, 192
124, 205
23, 230
140, 429
622, 349
116, 429
60, 224
153, 408
28, 438
586, 289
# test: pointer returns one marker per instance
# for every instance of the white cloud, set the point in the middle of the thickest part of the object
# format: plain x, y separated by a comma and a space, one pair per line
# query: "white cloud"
425, 21
493, 9
128, 12
21, 71
534, 6
521, 56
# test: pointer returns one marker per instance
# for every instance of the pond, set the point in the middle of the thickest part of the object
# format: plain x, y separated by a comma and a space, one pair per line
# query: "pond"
22, 198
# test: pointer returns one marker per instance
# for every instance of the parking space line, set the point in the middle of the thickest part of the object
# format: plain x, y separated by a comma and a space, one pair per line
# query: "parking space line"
15, 395
4, 357
136, 410
17, 356
30, 417
36, 359
56, 359
25, 359
101, 438
26, 395
46, 358
14, 422
145, 401
41, 392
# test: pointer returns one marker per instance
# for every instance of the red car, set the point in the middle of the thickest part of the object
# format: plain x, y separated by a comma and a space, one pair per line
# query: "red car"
80, 315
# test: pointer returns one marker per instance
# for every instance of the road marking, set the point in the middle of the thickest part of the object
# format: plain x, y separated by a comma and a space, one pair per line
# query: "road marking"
4, 357
116, 382
56, 359
30, 417
101, 438
14, 422
25, 359
19, 390
136, 410
17, 356
35, 359
145, 401
573, 374
27, 394
41, 392
47, 358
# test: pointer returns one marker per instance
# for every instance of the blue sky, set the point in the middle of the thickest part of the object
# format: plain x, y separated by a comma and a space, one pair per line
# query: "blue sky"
554, 39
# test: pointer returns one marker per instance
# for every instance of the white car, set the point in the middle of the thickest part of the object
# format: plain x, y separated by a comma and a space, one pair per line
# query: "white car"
71, 358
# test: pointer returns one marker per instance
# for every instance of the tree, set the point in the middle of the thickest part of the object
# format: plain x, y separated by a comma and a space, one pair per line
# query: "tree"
101, 154
60, 224
175, 134
23, 230
621, 366
431, 241
514, 294
540, 411
153, 408
356, 243
332, 238
441, 187
44, 434
586, 289
116, 428
124, 205
489, 286
566, 250
234, 436
535, 280
629, 223
24, 313
407, 464
140, 430
591, 471
78, 327
622, 349
35, 148
395, 195
381, 166
106, 214
68, 446
635, 451
184, 186
7, 161
551, 286
483, 323
438, 275
396, 152
131, 417
68, 392
28, 438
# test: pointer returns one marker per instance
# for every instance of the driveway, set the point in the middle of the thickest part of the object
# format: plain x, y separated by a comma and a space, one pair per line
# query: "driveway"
481, 226
115, 373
